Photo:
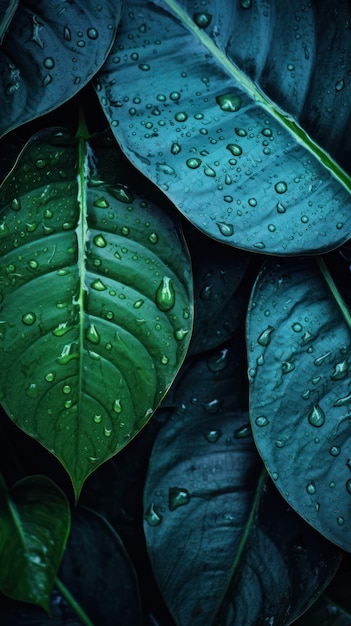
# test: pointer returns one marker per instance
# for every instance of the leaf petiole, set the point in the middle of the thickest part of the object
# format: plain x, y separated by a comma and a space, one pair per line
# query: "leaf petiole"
73, 602
334, 290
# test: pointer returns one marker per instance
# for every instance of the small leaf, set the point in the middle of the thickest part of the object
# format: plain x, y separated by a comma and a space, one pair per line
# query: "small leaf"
49, 53
299, 353
34, 527
96, 302
224, 547
217, 133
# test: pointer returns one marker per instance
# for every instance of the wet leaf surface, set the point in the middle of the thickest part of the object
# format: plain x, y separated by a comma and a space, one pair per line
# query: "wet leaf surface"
220, 133
96, 296
34, 527
224, 546
49, 53
298, 351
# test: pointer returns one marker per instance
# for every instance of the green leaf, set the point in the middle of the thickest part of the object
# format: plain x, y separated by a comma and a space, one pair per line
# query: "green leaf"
96, 302
220, 134
224, 546
49, 53
7, 11
299, 350
34, 527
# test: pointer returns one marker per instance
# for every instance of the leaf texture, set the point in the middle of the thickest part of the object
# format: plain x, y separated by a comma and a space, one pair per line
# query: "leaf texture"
96, 302
50, 50
207, 104
299, 353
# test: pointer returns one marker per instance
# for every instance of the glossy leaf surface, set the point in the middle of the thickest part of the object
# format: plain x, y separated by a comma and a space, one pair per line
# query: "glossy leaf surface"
96, 302
49, 52
224, 547
34, 527
210, 131
299, 352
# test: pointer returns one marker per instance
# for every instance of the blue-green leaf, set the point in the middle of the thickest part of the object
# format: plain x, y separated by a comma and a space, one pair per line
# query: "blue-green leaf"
224, 546
96, 301
34, 527
49, 52
299, 348
209, 106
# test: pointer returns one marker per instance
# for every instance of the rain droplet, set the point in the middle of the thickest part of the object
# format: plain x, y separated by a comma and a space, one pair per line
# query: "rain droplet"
311, 488
97, 419
138, 303
117, 407
193, 163
340, 370
246, 4
229, 102
261, 420
202, 20
175, 95
33, 264
267, 132
234, 149
342, 401
153, 238
29, 318
181, 116
316, 416
122, 193
180, 334
165, 294
297, 328
66, 389
50, 377
227, 230
32, 390
152, 517
218, 362
100, 241
265, 337
101, 203
175, 148
177, 497
241, 132
241, 433
348, 485
339, 86
208, 171
164, 359
98, 285
49, 63
15, 204
335, 450
67, 34
92, 334
287, 367
280, 208
144, 67
281, 187
107, 432
340, 520
92, 33
213, 435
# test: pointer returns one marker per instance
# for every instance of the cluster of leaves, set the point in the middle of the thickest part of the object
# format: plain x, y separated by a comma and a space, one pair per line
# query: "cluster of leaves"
174, 289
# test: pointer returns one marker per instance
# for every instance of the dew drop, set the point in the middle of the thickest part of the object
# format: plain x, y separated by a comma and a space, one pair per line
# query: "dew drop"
297, 328
29, 318
287, 367
138, 303
92, 334
97, 419
339, 86
144, 67
227, 230
229, 102
180, 334
165, 294
15, 204
265, 337
311, 488
32, 390
175, 96
175, 148
267, 132
117, 407
243, 432
241, 132
280, 208
92, 33
340, 521
246, 4
181, 116
202, 20
208, 171
49, 63
213, 435
50, 377
335, 450
218, 362
164, 359
40, 164
234, 149
177, 496
33, 264
98, 285
340, 370
261, 421
67, 35
107, 432
281, 186
252, 202
153, 238
122, 193
100, 241
66, 389
316, 416
101, 203
193, 163
152, 517
342, 401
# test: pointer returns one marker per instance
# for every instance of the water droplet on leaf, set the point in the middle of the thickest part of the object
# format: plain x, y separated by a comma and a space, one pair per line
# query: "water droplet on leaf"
229, 102
202, 20
316, 416
177, 497
165, 294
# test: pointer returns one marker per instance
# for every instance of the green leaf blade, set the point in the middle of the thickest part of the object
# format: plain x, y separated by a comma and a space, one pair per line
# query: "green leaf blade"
97, 304
256, 180
35, 523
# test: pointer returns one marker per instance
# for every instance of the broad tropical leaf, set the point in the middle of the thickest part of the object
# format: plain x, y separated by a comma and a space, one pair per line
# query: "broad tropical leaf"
299, 349
34, 526
205, 104
49, 52
224, 546
96, 302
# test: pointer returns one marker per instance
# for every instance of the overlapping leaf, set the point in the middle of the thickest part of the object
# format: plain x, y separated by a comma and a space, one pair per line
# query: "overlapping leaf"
224, 547
299, 354
49, 52
208, 132
96, 302
34, 527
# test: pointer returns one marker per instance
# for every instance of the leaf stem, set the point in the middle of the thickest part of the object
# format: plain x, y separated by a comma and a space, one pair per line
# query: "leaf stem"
333, 288
258, 96
219, 618
73, 603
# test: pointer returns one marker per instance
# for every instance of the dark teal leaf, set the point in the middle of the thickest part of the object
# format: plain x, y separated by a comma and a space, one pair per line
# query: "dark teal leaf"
220, 133
299, 352
49, 52
96, 302
34, 527
7, 11
224, 546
